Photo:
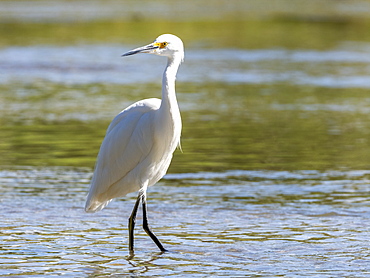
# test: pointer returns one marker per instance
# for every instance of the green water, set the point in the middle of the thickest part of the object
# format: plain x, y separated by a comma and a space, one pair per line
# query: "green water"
231, 126
269, 125
273, 176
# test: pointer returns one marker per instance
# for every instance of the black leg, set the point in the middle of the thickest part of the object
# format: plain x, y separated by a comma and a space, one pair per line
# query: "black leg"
131, 225
146, 225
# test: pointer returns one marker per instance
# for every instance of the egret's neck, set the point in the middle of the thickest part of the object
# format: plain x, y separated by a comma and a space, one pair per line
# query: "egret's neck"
169, 111
168, 82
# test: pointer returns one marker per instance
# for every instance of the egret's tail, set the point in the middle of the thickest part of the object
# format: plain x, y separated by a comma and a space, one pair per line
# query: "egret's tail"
93, 205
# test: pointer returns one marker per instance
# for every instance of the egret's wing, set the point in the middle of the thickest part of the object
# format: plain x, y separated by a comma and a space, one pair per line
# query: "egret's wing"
127, 142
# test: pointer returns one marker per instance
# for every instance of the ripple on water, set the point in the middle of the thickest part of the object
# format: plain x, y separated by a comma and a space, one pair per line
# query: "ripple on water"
73, 65
232, 223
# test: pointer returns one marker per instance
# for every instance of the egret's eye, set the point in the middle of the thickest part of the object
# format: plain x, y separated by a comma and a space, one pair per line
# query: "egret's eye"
161, 45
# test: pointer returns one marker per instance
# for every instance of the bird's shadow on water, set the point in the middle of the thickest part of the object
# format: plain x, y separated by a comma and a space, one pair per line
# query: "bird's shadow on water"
142, 264
131, 257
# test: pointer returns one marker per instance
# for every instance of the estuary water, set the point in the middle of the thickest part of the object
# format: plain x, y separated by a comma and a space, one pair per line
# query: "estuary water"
344, 66
273, 175
234, 224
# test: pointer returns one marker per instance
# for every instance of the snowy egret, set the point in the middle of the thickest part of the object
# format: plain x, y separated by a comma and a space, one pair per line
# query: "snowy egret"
137, 149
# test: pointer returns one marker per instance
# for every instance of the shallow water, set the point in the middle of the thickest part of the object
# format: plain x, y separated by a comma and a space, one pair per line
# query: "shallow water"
346, 66
273, 176
234, 223
241, 109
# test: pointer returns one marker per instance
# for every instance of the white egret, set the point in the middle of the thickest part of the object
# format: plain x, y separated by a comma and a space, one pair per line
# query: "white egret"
137, 149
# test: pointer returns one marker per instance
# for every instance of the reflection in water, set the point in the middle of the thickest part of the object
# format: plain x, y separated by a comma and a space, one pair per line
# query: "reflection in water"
222, 223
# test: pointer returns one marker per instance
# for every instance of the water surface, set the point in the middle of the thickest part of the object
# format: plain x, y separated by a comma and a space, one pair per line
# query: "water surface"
260, 109
234, 223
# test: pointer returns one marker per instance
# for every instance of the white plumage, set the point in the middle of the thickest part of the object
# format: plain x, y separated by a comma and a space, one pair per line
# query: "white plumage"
137, 149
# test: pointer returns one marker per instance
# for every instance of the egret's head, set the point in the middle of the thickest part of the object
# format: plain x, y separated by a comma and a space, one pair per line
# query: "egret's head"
165, 45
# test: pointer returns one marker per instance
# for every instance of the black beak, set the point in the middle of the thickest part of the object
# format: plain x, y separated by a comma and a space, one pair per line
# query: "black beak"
143, 49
